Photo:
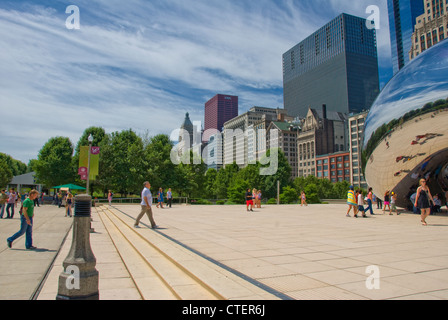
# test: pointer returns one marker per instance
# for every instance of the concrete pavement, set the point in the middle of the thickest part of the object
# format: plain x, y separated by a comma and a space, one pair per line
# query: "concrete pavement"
289, 251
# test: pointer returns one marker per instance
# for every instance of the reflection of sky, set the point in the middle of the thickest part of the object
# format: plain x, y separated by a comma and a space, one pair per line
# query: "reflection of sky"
423, 80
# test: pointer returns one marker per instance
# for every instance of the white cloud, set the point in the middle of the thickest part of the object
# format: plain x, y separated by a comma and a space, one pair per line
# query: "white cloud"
143, 64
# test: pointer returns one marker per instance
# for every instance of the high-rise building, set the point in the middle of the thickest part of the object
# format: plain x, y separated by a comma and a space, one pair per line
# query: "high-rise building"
402, 17
218, 110
321, 133
239, 135
337, 66
430, 28
356, 133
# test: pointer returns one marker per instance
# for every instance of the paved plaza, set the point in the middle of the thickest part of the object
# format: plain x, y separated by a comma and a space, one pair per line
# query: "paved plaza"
286, 251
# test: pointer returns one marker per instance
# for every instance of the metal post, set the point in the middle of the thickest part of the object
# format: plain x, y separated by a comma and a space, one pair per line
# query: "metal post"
278, 192
79, 280
88, 164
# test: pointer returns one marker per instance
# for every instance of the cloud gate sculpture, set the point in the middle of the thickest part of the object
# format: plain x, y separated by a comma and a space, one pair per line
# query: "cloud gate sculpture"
406, 130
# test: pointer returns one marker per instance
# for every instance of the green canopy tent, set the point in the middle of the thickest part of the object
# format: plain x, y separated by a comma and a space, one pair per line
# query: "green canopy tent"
70, 186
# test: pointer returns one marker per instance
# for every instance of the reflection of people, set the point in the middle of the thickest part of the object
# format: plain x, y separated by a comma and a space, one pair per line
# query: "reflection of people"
26, 224
422, 200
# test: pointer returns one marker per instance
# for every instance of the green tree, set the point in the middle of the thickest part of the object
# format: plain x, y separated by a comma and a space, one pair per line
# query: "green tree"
5, 174
311, 192
191, 177
209, 184
122, 162
54, 162
237, 190
17, 167
98, 135
223, 179
281, 172
289, 195
161, 170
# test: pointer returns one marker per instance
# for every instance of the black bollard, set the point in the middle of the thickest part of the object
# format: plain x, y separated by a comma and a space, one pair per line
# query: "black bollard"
79, 280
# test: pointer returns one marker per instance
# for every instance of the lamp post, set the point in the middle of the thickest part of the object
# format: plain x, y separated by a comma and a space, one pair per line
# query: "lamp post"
80, 280
90, 138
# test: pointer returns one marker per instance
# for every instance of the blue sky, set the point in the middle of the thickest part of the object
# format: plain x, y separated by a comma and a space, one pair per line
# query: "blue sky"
144, 64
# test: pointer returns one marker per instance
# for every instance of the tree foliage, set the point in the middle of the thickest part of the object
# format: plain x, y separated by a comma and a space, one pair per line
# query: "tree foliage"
54, 162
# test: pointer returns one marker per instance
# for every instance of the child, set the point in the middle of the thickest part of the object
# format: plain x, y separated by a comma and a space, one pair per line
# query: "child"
387, 201
393, 207
360, 204
351, 201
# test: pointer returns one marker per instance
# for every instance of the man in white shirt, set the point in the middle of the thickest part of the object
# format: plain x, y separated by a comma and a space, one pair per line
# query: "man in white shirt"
146, 206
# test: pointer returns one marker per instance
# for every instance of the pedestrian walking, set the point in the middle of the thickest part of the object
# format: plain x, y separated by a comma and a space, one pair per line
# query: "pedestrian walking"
249, 200
3, 202
422, 200
169, 197
393, 207
12, 198
68, 204
387, 201
370, 201
360, 204
26, 224
259, 198
36, 201
351, 201
146, 204
160, 198
303, 199
109, 197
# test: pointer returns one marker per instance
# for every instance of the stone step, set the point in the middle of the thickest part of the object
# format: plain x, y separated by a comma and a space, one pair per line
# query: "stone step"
212, 278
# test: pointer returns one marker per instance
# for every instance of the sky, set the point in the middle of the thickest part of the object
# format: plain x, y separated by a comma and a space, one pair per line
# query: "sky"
143, 64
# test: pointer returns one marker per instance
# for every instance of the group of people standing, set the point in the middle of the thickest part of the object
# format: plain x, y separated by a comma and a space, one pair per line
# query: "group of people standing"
422, 201
9, 201
253, 198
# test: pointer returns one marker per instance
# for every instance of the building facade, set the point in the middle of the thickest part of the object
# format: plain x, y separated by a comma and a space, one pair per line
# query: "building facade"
402, 17
356, 133
239, 132
337, 66
322, 132
430, 28
334, 167
218, 110
285, 138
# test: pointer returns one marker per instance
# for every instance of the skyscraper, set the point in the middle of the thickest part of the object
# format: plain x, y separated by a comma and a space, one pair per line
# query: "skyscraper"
337, 66
218, 110
402, 17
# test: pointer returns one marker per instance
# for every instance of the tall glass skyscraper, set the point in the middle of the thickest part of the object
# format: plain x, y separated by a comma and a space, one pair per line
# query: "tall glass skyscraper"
336, 66
402, 16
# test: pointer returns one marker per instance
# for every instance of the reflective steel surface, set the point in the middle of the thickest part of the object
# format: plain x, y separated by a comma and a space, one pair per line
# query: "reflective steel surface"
406, 131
